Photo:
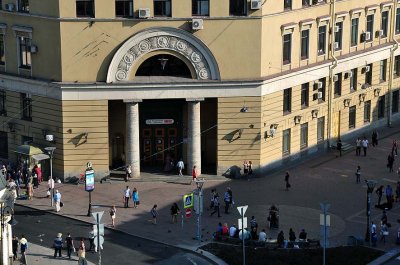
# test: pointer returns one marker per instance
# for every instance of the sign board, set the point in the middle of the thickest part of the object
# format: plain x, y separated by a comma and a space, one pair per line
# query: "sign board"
244, 209
99, 214
101, 241
159, 121
188, 200
188, 213
101, 229
240, 223
328, 219
89, 180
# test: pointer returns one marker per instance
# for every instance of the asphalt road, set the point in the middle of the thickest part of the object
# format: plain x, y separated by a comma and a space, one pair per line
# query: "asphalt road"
41, 228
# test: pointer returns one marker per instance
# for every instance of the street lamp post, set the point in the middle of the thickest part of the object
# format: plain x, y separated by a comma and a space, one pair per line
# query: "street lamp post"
199, 184
12, 222
50, 151
370, 188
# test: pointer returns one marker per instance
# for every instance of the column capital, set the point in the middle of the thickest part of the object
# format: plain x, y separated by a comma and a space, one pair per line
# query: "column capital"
194, 99
133, 100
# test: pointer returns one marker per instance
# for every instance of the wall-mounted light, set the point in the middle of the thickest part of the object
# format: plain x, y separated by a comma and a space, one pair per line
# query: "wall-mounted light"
362, 97
346, 102
314, 113
50, 138
377, 91
297, 119
11, 126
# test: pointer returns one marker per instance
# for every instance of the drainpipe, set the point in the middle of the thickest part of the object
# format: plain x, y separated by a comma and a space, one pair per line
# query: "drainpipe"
391, 65
331, 68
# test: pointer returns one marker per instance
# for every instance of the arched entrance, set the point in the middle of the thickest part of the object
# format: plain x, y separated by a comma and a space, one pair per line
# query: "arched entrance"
164, 65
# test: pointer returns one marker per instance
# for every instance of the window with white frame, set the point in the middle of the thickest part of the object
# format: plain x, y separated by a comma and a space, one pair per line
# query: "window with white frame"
384, 23
354, 32
24, 52
370, 26
320, 129
382, 70
305, 43
287, 48
286, 142
321, 40
304, 135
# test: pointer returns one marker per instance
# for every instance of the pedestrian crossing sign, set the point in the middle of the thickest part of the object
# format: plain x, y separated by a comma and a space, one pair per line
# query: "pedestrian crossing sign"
188, 200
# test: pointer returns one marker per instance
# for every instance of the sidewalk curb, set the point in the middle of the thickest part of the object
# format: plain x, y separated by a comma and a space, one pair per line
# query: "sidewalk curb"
196, 251
385, 257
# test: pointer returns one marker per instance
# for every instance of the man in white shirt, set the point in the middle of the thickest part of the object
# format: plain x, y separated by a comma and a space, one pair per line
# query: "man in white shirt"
232, 231
127, 196
180, 165
262, 237
364, 144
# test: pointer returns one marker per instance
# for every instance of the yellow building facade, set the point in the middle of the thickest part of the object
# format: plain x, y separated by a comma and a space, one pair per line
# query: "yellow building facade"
214, 82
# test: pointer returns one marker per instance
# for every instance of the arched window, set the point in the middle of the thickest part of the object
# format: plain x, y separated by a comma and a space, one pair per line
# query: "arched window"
164, 65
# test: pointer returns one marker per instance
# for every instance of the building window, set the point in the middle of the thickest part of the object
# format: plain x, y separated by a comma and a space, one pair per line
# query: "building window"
3, 144
384, 23
352, 117
304, 94
382, 70
287, 100
85, 8
287, 48
353, 80
24, 52
286, 142
367, 111
397, 29
396, 71
370, 26
354, 31
23, 6
200, 7
338, 36
287, 4
2, 50
26, 105
124, 8
395, 101
3, 103
381, 107
320, 129
238, 7
321, 40
368, 75
338, 85
304, 135
162, 8
305, 40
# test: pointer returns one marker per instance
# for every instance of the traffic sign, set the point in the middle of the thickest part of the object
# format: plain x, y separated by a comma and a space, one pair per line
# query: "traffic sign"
101, 241
244, 209
188, 200
97, 216
240, 223
188, 213
101, 229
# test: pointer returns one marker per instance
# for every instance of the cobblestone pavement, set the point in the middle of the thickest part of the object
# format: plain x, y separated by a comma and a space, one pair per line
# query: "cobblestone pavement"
325, 178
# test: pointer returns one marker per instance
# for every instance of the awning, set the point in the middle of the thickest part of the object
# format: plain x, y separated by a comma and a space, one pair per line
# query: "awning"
40, 157
26, 149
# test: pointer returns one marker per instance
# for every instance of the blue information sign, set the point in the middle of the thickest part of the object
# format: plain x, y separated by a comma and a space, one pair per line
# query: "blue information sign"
89, 180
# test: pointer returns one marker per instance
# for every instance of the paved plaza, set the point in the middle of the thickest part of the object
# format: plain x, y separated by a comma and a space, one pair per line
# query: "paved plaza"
325, 178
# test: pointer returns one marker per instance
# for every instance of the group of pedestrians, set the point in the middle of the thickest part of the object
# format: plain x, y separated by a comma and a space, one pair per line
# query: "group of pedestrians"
215, 203
58, 244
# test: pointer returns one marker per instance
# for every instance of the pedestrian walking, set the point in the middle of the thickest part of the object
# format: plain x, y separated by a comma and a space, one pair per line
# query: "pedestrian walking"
384, 232
379, 192
389, 194
195, 173
213, 193
180, 165
113, 215
339, 146
82, 256
287, 176
253, 223
58, 244
135, 198
358, 146
154, 213
15, 244
390, 162
92, 246
50, 186
250, 169
70, 245
394, 147
374, 236
374, 138
174, 212
29, 188
127, 196
358, 174
128, 172
364, 144
227, 199
57, 200
216, 205
23, 243
245, 168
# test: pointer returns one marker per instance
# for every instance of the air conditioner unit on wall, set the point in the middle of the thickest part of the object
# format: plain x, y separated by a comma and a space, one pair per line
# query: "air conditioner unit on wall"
197, 24
335, 78
10, 7
367, 35
380, 33
337, 28
349, 74
33, 49
336, 45
319, 96
367, 69
144, 12
256, 4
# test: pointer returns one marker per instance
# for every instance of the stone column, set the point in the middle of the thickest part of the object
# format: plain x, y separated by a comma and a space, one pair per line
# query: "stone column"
132, 136
194, 135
